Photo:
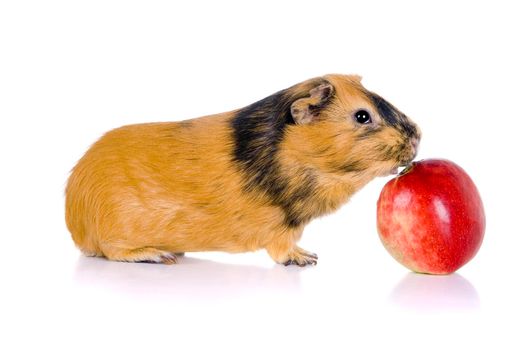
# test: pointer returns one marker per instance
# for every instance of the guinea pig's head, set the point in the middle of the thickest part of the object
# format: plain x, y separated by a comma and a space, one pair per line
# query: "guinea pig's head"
343, 128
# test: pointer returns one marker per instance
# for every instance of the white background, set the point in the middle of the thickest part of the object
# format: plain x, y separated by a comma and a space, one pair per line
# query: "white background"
71, 70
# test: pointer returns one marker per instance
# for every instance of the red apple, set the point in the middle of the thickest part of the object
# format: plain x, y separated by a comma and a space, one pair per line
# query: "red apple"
430, 218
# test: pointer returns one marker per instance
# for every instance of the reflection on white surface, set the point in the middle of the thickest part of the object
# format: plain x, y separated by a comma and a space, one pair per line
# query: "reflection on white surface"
433, 293
192, 278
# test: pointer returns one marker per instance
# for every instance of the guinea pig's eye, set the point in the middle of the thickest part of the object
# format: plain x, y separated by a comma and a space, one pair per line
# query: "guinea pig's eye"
362, 117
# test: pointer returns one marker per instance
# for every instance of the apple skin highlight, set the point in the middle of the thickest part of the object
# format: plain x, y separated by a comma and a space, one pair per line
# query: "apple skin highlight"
430, 218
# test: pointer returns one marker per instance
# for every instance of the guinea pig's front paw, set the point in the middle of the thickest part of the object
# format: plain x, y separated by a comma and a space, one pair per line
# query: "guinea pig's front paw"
301, 257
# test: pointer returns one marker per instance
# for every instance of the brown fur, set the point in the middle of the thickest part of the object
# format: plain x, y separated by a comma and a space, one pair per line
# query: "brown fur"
145, 192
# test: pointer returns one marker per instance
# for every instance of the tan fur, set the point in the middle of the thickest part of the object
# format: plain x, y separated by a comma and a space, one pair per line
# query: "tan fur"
145, 192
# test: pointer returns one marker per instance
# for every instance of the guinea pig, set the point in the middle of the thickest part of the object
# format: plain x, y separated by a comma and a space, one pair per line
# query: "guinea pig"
237, 181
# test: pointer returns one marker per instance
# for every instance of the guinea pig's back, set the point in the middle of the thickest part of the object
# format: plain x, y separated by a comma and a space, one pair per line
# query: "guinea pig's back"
137, 175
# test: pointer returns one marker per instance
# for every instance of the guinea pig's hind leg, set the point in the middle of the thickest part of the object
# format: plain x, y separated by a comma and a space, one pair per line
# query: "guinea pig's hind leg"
145, 254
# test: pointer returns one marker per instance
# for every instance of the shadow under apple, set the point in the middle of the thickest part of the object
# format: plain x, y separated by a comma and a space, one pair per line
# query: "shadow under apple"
435, 293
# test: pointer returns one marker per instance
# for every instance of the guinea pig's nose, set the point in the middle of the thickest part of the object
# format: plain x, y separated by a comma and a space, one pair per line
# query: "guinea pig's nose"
414, 142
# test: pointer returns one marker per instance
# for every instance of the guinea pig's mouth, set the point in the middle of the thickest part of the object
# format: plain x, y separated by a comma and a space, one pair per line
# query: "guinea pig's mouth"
394, 171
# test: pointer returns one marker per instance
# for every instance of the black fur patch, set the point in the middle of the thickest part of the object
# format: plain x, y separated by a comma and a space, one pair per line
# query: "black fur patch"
388, 112
258, 131
391, 115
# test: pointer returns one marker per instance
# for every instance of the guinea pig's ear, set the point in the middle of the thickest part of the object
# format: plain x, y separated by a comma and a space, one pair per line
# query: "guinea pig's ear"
304, 110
